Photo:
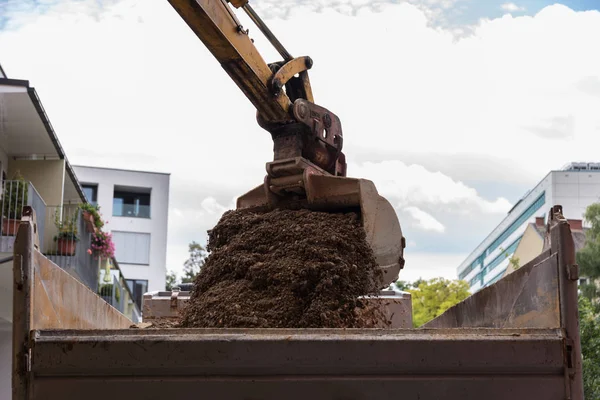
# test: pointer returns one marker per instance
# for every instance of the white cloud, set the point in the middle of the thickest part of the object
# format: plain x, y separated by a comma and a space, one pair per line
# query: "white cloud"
413, 185
192, 224
511, 7
428, 266
424, 220
131, 86
435, 10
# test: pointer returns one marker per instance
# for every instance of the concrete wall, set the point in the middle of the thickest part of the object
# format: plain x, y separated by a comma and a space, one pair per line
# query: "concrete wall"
530, 247
3, 161
48, 178
6, 291
156, 225
5, 364
575, 191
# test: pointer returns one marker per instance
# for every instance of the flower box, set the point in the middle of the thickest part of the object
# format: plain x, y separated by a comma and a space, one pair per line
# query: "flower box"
10, 226
88, 219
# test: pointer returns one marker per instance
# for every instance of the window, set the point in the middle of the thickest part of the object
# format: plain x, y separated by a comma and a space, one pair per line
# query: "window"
138, 287
475, 279
474, 264
496, 278
583, 281
91, 193
528, 213
132, 247
131, 202
510, 250
531, 210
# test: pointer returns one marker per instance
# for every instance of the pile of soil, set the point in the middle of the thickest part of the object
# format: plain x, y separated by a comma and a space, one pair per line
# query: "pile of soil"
285, 269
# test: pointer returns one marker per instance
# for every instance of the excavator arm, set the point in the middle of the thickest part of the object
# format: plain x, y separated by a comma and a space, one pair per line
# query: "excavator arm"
217, 26
308, 167
215, 23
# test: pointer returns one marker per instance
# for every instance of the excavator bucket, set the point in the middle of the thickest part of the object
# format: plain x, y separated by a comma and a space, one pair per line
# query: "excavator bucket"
335, 194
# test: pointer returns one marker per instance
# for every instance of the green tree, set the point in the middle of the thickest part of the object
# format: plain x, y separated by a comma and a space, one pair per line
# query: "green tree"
589, 328
588, 257
195, 262
431, 298
514, 261
171, 280
403, 285
416, 283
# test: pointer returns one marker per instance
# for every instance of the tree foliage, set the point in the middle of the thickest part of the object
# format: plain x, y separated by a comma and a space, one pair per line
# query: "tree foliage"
191, 266
195, 262
589, 328
431, 298
171, 280
403, 285
592, 215
514, 261
588, 257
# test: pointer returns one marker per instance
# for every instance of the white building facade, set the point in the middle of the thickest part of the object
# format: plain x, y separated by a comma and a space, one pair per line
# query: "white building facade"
574, 187
135, 204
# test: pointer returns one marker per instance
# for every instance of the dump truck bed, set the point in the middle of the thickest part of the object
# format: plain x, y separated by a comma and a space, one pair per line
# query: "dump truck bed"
517, 339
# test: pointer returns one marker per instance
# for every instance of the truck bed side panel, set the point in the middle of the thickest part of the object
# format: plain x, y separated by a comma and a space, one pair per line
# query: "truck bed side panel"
275, 364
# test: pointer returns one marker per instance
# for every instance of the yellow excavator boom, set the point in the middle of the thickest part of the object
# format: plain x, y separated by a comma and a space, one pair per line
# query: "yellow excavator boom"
217, 26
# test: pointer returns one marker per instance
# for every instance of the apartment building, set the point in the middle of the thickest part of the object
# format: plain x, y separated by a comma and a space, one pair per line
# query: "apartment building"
135, 204
35, 172
575, 187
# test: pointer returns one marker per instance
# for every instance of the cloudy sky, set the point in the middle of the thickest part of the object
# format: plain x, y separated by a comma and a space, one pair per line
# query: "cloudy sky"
454, 108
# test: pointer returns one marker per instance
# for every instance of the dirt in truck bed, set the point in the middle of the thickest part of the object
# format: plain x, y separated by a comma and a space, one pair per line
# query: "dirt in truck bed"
285, 269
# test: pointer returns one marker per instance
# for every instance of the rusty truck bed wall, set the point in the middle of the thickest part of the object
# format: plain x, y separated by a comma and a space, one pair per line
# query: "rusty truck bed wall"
514, 340
47, 297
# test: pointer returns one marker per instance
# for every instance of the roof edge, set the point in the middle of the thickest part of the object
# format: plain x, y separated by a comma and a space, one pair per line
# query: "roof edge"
535, 228
37, 103
123, 170
14, 82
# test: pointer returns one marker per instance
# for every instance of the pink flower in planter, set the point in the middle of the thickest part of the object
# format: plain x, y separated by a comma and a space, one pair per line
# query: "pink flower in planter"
103, 245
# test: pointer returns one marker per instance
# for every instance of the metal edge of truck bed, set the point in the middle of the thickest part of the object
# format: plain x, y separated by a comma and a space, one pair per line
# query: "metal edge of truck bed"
57, 351
187, 352
320, 364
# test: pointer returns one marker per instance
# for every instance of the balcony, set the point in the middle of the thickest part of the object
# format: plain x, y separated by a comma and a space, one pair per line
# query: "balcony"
17, 194
68, 236
72, 231
132, 202
115, 291
130, 210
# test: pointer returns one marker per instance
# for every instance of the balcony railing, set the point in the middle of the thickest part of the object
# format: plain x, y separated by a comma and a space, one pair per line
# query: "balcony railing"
115, 291
70, 238
130, 210
17, 194
70, 249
